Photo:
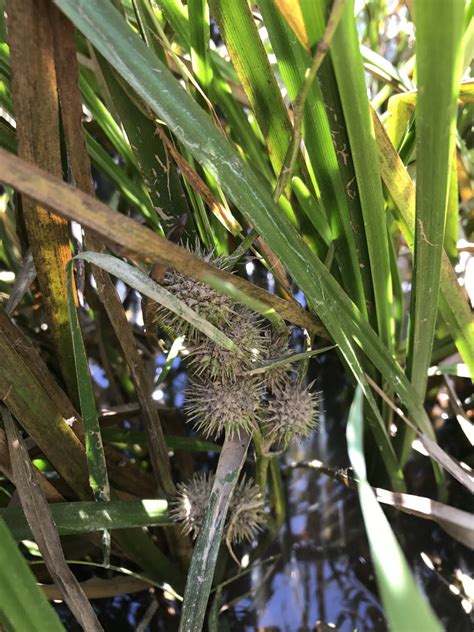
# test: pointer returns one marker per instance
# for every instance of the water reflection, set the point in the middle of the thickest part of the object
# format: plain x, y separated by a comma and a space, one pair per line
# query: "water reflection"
321, 580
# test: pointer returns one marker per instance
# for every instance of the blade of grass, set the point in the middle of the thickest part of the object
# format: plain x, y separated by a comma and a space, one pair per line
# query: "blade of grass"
453, 303
438, 52
288, 359
98, 588
24, 607
141, 282
350, 78
238, 29
405, 608
199, 31
98, 477
86, 517
136, 437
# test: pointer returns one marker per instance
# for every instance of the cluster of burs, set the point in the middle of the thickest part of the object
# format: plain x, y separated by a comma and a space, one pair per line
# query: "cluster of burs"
226, 395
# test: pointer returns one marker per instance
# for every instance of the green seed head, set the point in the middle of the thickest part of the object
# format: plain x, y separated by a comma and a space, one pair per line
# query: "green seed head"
208, 303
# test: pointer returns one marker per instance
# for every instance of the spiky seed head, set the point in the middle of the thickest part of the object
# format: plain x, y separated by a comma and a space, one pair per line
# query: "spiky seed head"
291, 413
246, 513
213, 306
218, 405
277, 377
191, 501
246, 331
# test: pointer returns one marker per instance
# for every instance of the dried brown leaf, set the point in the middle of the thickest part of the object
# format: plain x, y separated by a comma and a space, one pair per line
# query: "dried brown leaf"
132, 238
40, 520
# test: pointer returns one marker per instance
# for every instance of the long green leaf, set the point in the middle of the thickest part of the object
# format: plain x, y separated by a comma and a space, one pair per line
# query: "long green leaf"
86, 517
199, 29
454, 306
321, 146
98, 477
136, 437
349, 72
237, 28
22, 605
405, 608
439, 27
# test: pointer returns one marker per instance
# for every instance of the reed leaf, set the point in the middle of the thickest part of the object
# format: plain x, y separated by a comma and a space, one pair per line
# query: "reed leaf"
24, 606
439, 55
238, 29
98, 477
201, 571
350, 78
405, 607
86, 517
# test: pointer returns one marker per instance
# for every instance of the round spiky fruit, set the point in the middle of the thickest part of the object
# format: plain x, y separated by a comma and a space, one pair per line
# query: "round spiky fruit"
246, 513
218, 405
213, 306
205, 301
190, 504
277, 376
249, 336
291, 413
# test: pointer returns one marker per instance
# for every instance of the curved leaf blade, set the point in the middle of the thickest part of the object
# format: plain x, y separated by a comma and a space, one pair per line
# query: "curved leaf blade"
404, 606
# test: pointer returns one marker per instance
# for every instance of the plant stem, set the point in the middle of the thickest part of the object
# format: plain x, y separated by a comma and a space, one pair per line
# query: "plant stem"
261, 465
203, 562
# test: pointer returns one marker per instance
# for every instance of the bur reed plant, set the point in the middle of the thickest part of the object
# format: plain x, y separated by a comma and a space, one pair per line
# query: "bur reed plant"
301, 136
